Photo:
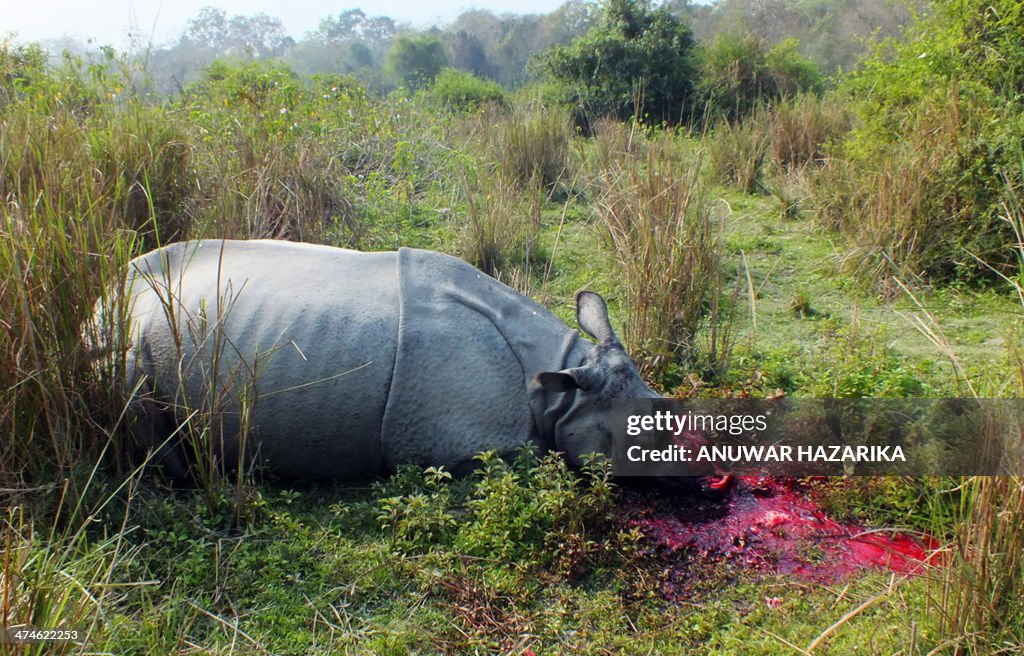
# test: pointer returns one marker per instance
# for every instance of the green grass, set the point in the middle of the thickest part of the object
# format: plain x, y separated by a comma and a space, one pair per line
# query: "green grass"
781, 260
319, 575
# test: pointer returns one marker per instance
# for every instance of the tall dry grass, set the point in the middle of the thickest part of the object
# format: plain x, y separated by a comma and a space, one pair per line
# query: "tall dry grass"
781, 140
738, 152
530, 146
982, 594
669, 244
500, 232
612, 141
977, 597
983, 591
803, 127
65, 240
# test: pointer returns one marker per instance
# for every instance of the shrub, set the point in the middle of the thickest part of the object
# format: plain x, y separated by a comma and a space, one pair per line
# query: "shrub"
637, 62
922, 207
533, 512
739, 72
940, 120
21, 67
419, 515
538, 512
414, 60
461, 90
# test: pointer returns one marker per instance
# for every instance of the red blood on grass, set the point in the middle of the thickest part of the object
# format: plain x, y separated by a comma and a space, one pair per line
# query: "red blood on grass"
720, 483
771, 525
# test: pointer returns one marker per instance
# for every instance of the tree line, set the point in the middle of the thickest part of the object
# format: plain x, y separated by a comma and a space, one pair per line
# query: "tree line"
739, 38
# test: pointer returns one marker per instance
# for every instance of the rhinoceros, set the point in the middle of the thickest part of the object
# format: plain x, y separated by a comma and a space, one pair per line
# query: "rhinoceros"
344, 362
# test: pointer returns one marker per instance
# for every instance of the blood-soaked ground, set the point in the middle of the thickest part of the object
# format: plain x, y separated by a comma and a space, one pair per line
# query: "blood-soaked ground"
769, 525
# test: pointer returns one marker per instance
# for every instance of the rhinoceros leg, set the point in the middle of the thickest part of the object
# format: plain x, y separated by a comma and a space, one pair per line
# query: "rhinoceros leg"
155, 430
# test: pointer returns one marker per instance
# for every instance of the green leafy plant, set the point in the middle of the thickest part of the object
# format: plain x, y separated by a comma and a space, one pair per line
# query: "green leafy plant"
939, 119
416, 59
740, 72
637, 62
462, 91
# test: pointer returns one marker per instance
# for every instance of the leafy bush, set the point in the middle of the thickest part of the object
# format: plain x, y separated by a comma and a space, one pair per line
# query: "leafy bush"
416, 59
739, 72
21, 67
532, 512
923, 207
419, 515
538, 511
461, 90
637, 62
940, 123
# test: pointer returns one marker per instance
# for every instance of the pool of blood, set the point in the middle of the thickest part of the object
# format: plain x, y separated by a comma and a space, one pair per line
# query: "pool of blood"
771, 525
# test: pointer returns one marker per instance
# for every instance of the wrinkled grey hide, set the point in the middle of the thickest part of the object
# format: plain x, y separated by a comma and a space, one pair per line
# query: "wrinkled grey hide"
357, 362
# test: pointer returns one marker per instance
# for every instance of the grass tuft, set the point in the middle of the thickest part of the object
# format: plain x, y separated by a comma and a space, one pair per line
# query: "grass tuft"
669, 246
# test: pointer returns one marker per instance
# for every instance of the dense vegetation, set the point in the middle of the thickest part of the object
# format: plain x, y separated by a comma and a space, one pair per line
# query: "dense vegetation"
759, 228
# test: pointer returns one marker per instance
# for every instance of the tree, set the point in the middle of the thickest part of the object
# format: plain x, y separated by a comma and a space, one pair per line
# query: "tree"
468, 53
258, 36
416, 59
349, 42
509, 41
635, 60
833, 33
354, 25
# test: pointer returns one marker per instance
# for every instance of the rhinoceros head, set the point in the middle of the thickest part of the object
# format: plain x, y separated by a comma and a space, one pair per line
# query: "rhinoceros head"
581, 397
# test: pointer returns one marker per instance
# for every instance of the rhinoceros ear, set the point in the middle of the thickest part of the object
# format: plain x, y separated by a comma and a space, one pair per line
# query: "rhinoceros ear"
592, 316
582, 378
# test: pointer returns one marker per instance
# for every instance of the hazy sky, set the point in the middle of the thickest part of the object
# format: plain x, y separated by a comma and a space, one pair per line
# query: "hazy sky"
109, 21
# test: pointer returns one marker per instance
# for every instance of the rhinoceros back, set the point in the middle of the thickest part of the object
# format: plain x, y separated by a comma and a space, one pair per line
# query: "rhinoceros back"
308, 331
